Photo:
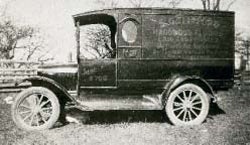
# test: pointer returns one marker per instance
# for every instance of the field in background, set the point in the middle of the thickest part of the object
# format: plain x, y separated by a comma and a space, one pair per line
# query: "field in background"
228, 125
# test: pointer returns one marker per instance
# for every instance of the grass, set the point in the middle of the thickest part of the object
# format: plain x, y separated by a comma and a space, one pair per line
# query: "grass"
230, 125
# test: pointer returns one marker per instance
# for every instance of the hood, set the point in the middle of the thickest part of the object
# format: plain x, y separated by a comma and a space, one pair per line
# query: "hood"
57, 69
63, 74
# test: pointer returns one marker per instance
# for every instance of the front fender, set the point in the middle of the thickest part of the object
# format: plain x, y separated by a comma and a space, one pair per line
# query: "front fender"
43, 81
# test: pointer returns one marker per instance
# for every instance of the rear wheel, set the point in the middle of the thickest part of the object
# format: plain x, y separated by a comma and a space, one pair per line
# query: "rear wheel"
187, 105
35, 108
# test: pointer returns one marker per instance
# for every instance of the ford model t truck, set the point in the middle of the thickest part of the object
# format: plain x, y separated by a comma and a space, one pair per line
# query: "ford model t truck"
163, 59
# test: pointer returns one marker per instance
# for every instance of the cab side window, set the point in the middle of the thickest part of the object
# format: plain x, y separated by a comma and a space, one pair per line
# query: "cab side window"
96, 42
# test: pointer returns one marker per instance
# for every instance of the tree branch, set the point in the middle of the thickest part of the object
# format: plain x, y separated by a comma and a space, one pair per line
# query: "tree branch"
217, 6
230, 4
204, 4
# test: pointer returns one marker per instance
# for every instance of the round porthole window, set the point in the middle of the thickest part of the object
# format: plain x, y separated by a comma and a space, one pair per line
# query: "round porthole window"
129, 32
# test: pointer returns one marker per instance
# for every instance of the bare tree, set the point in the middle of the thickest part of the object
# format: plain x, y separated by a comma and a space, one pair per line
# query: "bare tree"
21, 42
230, 4
108, 4
172, 3
216, 5
138, 3
242, 47
10, 35
24, 41
141, 3
33, 49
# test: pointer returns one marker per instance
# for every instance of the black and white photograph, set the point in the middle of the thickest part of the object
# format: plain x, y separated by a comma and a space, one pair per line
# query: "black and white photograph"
124, 72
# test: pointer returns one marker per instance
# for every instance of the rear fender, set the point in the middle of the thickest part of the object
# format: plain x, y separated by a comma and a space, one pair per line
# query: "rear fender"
177, 81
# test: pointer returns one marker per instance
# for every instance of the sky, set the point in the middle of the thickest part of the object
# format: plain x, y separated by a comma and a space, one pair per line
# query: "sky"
54, 19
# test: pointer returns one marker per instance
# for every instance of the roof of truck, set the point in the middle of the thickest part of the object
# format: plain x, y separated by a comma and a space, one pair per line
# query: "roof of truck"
156, 10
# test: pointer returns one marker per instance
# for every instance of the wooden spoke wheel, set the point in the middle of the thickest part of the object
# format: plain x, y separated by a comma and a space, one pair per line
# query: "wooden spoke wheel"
187, 105
35, 108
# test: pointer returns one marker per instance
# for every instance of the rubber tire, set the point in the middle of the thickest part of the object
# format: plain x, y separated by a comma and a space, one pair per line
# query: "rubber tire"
200, 118
50, 95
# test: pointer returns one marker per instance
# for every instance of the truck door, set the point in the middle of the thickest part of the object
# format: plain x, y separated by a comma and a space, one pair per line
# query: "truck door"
99, 71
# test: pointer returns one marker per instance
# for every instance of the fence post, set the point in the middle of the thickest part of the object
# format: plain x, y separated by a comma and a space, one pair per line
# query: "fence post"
247, 48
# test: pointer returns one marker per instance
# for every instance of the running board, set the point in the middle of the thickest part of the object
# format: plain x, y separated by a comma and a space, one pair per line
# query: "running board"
145, 102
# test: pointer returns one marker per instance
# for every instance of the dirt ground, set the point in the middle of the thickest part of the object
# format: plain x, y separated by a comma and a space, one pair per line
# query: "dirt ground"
228, 124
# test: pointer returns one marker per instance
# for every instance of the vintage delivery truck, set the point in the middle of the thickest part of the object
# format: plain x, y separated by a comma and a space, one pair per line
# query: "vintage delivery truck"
160, 59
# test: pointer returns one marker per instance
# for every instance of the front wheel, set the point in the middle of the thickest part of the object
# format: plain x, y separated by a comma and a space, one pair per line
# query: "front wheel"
35, 108
187, 105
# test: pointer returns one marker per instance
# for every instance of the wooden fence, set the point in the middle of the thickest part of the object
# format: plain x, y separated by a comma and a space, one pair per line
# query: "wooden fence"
12, 71
246, 77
